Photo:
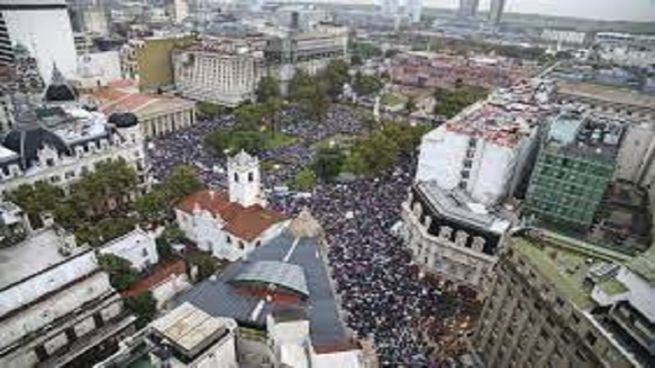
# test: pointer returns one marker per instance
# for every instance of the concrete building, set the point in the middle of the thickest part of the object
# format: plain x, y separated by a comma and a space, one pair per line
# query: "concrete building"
220, 71
413, 10
564, 38
436, 70
625, 49
149, 60
496, 12
61, 141
467, 8
575, 165
311, 51
231, 225
560, 302
485, 150
137, 246
452, 236
158, 114
179, 9
41, 26
635, 161
56, 306
95, 70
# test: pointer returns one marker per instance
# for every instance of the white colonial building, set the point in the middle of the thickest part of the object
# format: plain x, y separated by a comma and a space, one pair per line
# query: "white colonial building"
230, 225
56, 305
60, 141
451, 235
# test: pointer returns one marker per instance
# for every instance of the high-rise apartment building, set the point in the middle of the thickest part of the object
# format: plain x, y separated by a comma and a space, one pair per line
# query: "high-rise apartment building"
558, 302
496, 12
44, 28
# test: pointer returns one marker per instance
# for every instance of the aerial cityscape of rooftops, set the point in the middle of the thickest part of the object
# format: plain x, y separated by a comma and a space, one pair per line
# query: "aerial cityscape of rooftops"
327, 184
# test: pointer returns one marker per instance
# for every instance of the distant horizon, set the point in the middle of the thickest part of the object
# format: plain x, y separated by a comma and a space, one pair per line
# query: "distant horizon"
604, 10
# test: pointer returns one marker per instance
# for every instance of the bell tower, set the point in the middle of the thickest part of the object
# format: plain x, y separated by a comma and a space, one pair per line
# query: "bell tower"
244, 179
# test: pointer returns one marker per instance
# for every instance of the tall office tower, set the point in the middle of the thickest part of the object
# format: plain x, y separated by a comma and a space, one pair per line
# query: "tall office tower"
413, 10
467, 8
389, 7
44, 28
496, 11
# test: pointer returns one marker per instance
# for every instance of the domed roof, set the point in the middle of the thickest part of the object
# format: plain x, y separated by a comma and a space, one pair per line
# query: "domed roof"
27, 143
59, 90
123, 119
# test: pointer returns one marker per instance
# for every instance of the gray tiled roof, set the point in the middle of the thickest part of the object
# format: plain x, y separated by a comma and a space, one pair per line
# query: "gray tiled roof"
220, 297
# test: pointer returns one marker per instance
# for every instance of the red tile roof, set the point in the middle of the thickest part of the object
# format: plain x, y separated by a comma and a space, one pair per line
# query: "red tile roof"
159, 274
246, 223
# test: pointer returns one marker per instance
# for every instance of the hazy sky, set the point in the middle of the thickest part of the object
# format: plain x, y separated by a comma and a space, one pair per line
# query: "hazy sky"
635, 10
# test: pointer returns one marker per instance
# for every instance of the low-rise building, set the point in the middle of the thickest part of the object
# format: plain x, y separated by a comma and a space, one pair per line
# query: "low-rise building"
452, 236
157, 114
486, 149
231, 225
563, 302
137, 246
438, 70
56, 305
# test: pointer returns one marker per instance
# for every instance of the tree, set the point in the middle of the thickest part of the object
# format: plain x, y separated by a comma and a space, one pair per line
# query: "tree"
327, 162
249, 116
37, 199
106, 188
366, 85
335, 76
310, 94
144, 307
373, 154
406, 137
121, 273
268, 88
304, 180
410, 105
206, 263
182, 182
450, 103
207, 110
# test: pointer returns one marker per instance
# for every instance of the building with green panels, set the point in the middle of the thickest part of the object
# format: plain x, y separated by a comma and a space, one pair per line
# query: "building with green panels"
573, 169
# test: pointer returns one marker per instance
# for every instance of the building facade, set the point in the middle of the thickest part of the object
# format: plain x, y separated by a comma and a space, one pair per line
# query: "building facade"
485, 150
158, 114
575, 165
220, 72
435, 70
558, 302
58, 307
496, 12
44, 28
60, 141
451, 236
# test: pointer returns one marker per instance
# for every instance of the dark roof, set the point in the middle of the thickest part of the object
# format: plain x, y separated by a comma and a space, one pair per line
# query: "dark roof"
27, 143
123, 119
219, 297
59, 90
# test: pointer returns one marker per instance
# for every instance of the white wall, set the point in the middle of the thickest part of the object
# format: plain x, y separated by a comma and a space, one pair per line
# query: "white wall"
342, 359
441, 158
46, 282
48, 36
138, 247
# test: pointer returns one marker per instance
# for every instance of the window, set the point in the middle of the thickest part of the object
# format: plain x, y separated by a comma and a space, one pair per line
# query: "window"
251, 177
241, 246
591, 338
144, 252
236, 177
228, 239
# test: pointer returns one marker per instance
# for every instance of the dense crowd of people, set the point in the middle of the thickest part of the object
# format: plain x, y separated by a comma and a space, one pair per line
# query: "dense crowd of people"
382, 295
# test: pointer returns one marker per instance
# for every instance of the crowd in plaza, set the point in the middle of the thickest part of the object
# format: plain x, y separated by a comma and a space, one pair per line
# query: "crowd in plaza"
382, 294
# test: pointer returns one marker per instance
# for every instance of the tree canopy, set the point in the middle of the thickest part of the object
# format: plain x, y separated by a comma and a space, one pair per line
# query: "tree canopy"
268, 88
450, 102
366, 85
121, 273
